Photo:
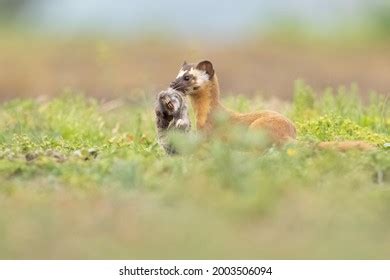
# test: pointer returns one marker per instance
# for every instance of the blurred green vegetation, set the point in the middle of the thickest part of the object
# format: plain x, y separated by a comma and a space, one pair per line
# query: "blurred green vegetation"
82, 178
10, 9
378, 20
370, 26
341, 115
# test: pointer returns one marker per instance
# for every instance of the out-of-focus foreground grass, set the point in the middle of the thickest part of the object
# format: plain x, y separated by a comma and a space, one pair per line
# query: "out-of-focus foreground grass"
82, 178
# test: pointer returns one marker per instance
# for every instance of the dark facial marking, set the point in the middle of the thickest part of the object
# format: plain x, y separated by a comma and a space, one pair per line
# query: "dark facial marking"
184, 82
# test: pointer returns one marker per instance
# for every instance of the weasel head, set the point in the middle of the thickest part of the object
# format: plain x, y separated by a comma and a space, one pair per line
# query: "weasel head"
169, 102
193, 78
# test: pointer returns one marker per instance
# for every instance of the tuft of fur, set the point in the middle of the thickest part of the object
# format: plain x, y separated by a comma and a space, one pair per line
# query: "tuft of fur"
171, 114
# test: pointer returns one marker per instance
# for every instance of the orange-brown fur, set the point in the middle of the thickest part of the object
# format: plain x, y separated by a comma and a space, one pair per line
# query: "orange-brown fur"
280, 129
206, 103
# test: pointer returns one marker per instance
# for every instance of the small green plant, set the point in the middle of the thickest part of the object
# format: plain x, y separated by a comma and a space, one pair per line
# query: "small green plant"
303, 104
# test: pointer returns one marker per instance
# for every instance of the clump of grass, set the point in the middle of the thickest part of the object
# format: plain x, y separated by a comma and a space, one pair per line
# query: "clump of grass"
341, 116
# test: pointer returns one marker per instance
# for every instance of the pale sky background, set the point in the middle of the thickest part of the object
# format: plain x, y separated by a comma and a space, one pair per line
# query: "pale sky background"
189, 18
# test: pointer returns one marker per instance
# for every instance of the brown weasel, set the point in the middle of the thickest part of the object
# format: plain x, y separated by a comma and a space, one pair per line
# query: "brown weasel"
200, 82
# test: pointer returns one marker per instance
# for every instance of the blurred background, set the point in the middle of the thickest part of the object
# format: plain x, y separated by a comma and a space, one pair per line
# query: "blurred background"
114, 49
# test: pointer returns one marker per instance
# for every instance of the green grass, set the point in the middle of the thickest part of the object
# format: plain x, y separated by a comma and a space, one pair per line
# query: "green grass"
82, 178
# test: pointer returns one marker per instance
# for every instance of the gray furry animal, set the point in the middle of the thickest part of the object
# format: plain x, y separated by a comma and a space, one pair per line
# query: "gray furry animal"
171, 114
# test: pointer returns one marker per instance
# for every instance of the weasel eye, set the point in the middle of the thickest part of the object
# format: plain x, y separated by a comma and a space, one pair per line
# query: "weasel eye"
186, 78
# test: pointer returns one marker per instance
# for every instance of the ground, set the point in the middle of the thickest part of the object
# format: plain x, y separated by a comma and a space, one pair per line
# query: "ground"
84, 178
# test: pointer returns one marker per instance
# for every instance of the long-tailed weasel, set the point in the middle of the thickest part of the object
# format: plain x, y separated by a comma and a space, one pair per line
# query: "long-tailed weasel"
171, 113
200, 82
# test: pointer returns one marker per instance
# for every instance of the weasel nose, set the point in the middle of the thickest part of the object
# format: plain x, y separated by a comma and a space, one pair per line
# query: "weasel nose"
178, 85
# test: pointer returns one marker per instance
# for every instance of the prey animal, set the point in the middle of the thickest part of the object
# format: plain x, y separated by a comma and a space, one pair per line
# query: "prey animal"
171, 114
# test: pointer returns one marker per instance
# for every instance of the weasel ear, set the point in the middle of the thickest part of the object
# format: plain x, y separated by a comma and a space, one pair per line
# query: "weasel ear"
206, 66
184, 63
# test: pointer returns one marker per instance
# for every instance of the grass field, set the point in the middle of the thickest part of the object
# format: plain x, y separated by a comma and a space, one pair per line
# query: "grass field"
84, 178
